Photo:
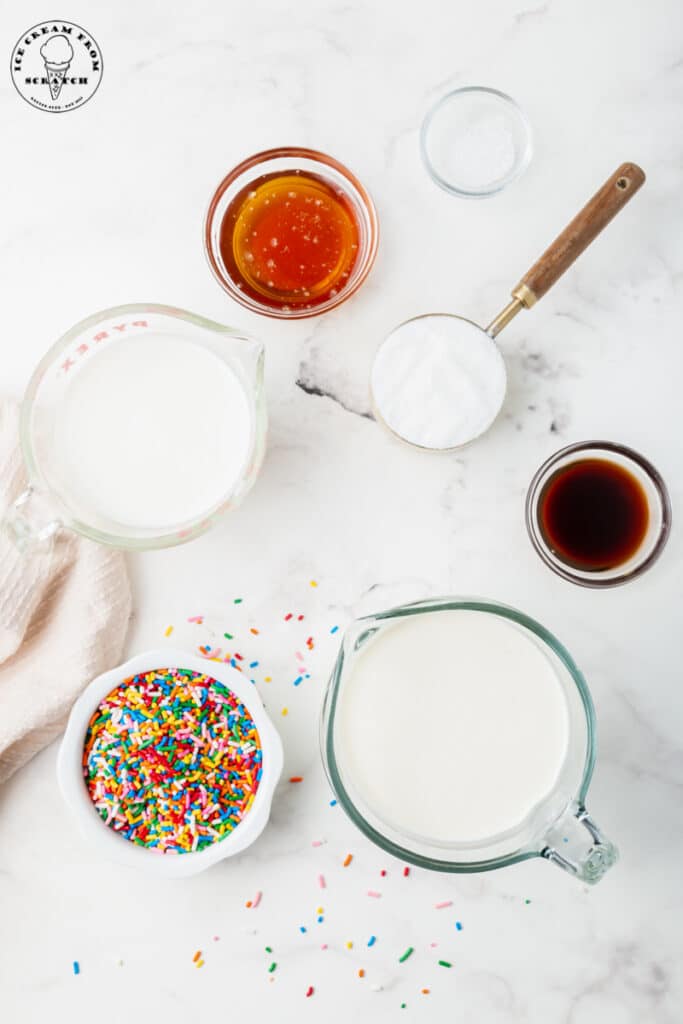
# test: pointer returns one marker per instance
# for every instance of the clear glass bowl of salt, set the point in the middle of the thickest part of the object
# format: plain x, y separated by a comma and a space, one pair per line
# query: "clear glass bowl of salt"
475, 141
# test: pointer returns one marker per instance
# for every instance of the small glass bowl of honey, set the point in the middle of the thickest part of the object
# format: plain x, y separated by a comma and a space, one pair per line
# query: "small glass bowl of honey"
291, 233
598, 513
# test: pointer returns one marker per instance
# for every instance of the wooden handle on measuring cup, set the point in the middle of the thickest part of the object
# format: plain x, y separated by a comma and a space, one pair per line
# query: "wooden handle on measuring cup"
577, 236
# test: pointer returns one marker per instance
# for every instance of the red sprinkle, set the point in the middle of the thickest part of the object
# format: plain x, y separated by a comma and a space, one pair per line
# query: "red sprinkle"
383, 873
309, 991
297, 778
406, 872
288, 617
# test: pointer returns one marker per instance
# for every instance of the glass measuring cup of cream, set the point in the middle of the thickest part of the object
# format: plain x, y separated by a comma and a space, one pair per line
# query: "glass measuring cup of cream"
459, 735
140, 427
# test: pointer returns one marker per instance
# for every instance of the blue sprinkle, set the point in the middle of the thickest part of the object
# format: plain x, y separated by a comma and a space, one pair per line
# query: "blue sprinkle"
333, 803
372, 940
298, 680
458, 926
77, 967
334, 629
302, 929
253, 664
320, 920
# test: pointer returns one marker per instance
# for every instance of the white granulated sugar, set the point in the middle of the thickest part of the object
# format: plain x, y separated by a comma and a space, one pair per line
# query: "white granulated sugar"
483, 154
438, 381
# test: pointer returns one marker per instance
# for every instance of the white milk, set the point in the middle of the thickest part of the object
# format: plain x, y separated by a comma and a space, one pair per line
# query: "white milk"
453, 725
153, 432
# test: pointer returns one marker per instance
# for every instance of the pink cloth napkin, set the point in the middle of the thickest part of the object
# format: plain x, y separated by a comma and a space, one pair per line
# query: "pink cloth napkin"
64, 611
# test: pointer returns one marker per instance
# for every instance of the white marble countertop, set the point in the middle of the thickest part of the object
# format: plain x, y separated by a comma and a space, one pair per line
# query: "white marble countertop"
104, 206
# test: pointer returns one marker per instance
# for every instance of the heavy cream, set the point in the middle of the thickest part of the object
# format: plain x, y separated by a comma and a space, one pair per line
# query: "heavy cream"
452, 726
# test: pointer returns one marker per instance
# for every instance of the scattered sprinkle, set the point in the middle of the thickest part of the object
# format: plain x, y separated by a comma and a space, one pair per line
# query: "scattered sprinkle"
285, 711
77, 967
253, 664
324, 945
318, 842
228, 636
349, 945
272, 967
403, 1006
196, 618
334, 630
361, 972
254, 631
169, 630
238, 600
444, 963
333, 803
383, 873
458, 926
408, 952
256, 900
302, 929
319, 910
424, 991
321, 878
269, 949
443, 904
267, 679
309, 991
200, 963
314, 583
406, 871
372, 940
216, 938
298, 681
376, 895
288, 616
300, 618
347, 859
527, 902
296, 778
197, 956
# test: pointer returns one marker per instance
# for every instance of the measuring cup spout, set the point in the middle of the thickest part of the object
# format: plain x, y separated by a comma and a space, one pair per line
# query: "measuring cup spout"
586, 852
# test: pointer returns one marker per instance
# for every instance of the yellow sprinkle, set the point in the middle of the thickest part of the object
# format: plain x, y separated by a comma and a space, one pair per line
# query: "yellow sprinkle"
200, 963
314, 583
169, 630
285, 711
349, 945
319, 910
267, 679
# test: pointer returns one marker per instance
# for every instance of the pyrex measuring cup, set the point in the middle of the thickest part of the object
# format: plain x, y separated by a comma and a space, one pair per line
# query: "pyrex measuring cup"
557, 828
139, 380
438, 381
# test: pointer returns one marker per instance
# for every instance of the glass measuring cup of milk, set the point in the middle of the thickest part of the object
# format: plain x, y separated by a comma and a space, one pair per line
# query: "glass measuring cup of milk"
459, 735
139, 427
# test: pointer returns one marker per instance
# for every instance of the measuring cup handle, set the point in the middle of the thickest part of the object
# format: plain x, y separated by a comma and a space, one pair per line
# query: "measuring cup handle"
26, 553
587, 857
578, 235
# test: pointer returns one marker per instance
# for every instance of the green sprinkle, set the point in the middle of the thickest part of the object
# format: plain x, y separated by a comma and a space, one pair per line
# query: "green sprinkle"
238, 600
403, 1006
444, 963
272, 968
269, 949
527, 902
228, 636
408, 952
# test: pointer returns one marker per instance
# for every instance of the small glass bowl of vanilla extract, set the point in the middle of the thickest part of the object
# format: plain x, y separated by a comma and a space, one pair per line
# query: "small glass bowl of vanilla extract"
291, 233
598, 513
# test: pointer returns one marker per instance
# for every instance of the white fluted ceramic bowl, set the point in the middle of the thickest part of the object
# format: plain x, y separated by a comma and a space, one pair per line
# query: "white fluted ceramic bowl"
115, 847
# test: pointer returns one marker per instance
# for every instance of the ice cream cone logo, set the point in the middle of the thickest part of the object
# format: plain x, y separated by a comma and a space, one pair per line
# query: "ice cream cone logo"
56, 66
57, 54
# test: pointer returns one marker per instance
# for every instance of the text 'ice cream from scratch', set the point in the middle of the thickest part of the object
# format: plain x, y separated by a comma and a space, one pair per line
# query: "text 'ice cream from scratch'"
57, 54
